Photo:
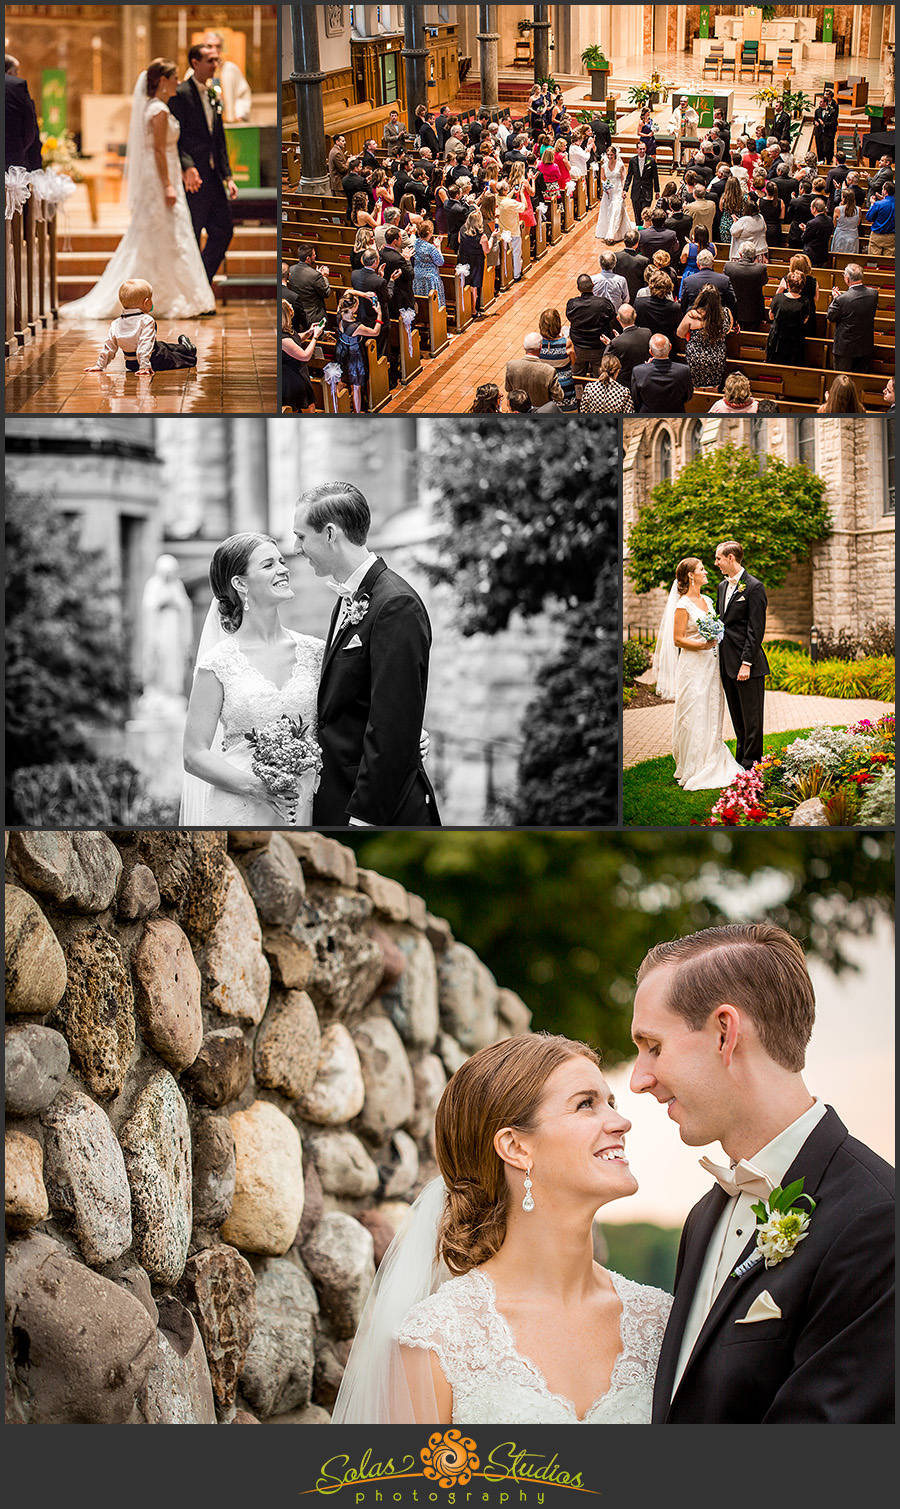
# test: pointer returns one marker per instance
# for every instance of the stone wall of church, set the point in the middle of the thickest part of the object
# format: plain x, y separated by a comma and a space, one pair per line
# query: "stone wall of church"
223, 1057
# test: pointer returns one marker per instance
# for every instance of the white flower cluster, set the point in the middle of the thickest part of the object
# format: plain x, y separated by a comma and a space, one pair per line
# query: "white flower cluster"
777, 1237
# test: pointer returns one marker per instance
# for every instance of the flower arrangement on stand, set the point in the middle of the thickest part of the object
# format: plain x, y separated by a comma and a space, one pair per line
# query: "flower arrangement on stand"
850, 771
61, 153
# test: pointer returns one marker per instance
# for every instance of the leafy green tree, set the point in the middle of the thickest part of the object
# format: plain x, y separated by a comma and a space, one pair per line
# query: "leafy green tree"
66, 663
776, 511
531, 514
565, 918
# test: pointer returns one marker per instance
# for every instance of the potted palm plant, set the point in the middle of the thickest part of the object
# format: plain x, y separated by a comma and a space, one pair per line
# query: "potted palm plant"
597, 66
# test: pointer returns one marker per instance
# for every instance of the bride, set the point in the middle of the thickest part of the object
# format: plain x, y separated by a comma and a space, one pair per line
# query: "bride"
689, 673
159, 245
250, 670
489, 1307
613, 223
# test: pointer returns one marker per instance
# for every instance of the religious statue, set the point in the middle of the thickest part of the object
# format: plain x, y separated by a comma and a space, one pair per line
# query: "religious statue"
166, 631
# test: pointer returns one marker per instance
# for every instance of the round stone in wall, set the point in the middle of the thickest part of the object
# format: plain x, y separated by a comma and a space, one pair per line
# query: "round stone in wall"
219, 1288
78, 871
156, 1141
168, 993
467, 998
339, 1256
344, 1167
178, 1390
412, 1002
268, 1194
35, 963
236, 972
37, 1061
26, 1195
387, 1076
96, 1014
338, 1092
287, 1045
84, 1171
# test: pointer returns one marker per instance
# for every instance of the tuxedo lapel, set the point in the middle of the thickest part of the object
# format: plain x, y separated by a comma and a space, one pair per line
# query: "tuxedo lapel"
702, 1226
337, 639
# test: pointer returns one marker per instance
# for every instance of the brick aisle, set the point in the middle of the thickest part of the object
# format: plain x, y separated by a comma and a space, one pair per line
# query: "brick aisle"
479, 355
236, 370
647, 731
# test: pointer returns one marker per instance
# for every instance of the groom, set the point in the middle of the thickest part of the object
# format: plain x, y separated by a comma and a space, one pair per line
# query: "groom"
721, 1022
206, 170
374, 674
741, 605
642, 181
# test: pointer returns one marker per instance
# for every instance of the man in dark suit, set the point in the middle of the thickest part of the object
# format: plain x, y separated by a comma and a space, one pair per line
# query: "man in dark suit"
631, 345
748, 279
797, 212
427, 134
310, 284
400, 288
374, 677
22, 136
817, 234
654, 237
374, 297
835, 177
722, 1020
853, 315
591, 320
641, 181
781, 126
660, 386
741, 605
825, 121
786, 185
631, 264
706, 273
601, 134
203, 151
354, 181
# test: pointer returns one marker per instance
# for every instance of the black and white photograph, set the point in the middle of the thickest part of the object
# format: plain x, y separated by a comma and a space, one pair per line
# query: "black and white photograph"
234, 621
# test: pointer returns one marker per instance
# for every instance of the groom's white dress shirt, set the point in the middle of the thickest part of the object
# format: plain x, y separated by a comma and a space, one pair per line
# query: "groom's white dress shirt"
352, 584
737, 1224
732, 588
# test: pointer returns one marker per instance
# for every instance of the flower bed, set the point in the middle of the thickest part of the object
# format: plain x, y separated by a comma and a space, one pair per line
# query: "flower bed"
791, 670
851, 771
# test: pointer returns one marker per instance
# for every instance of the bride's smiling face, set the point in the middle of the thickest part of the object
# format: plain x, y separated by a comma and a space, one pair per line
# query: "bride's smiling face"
700, 576
266, 578
578, 1142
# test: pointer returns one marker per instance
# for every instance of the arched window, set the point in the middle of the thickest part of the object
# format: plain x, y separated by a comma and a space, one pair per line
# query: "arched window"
664, 457
806, 442
694, 446
889, 480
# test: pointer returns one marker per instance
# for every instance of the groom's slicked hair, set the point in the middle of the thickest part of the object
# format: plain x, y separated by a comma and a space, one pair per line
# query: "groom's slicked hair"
731, 547
337, 503
755, 966
500, 1086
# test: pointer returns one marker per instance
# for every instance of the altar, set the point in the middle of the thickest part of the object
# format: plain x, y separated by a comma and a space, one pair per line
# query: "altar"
795, 32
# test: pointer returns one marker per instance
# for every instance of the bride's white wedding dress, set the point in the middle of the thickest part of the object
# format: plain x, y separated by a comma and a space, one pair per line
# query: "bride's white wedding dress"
703, 760
613, 223
494, 1384
159, 244
250, 700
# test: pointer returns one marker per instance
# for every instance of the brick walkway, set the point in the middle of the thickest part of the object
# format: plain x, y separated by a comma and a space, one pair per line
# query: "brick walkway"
647, 731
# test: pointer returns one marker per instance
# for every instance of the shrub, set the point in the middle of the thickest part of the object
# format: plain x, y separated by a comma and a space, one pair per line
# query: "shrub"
793, 671
635, 660
87, 794
877, 806
876, 639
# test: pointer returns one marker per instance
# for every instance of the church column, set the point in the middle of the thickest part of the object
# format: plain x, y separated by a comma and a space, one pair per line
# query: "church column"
415, 56
249, 474
488, 37
307, 79
135, 43
541, 41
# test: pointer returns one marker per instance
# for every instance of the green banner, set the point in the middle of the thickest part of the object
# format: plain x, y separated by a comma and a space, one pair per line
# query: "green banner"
243, 154
704, 105
54, 115
704, 20
828, 24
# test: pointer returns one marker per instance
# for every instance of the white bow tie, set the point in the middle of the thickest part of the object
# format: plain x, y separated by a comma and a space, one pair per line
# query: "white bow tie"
741, 1179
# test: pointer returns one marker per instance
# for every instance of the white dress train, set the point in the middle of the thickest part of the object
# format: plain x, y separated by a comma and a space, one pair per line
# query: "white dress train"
703, 761
159, 244
250, 700
613, 223
494, 1384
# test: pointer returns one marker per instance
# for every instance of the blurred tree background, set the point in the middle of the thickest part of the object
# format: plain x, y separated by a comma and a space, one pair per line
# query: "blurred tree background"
531, 516
564, 918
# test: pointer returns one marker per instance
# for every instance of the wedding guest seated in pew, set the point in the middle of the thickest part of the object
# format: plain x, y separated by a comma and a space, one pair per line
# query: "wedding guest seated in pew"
538, 378
842, 397
486, 400
606, 395
296, 388
661, 386
736, 397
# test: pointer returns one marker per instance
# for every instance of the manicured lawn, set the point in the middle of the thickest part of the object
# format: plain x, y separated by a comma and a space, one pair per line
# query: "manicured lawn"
651, 797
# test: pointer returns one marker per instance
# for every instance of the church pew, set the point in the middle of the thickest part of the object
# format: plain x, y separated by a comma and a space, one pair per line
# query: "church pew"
336, 256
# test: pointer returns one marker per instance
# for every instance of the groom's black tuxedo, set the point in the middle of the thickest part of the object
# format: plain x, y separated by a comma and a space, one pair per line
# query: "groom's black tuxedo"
641, 183
829, 1357
745, 625
207, 151
371, 707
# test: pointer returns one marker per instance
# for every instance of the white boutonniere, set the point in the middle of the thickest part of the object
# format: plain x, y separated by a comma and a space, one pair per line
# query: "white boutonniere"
742, 586
780, 1225
357, 608
214, 90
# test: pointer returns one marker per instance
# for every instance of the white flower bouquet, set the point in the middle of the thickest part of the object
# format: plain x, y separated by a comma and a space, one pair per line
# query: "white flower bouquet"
283, 751
711, 627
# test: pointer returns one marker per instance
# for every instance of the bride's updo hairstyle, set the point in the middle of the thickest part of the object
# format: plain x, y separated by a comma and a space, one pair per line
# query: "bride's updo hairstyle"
160, 68
230, 560
683, 573
500, 1086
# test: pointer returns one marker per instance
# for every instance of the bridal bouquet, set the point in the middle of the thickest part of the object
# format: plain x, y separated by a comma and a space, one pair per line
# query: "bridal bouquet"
284, 750
710, 626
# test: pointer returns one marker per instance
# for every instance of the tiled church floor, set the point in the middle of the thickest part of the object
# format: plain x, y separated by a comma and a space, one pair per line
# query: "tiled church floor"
236, 370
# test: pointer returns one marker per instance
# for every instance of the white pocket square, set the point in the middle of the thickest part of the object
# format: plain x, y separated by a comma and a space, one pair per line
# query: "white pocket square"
353, 644
763, 1308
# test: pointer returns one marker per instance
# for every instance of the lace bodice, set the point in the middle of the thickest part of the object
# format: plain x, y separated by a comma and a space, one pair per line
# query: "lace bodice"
250, 699
493, 1384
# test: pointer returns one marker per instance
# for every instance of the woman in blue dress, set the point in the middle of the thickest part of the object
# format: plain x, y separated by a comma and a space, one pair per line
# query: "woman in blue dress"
698, 240
348, 349
427, 259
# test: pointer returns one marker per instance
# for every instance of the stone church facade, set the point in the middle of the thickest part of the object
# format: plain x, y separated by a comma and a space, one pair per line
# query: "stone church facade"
847, 580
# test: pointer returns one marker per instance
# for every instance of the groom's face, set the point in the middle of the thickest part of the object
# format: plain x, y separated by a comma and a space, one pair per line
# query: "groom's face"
681, 1068
726, 563
315, 547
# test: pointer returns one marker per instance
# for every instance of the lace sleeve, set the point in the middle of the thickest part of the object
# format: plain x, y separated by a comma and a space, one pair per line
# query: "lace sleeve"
219, 659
